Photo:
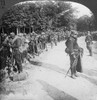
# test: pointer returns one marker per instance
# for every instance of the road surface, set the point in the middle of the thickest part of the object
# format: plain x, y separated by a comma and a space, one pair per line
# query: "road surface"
46, 78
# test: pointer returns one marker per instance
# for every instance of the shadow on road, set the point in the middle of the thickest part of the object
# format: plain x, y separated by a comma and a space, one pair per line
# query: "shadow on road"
87, 73
55, 93
48, 66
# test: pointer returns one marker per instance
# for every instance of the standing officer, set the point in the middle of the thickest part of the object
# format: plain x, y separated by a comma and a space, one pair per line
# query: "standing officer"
74, 52
89, 42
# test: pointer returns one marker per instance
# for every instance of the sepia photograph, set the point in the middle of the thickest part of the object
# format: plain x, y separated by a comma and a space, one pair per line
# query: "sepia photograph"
48, 49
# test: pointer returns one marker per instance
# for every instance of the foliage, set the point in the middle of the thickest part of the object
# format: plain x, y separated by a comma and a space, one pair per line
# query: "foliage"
85, 23
39, 16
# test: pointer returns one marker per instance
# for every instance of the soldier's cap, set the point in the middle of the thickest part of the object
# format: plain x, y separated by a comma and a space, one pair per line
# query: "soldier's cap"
20, 34
12, 34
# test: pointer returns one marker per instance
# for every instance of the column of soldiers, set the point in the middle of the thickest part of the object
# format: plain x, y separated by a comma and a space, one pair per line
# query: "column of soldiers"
15, 48
10, 52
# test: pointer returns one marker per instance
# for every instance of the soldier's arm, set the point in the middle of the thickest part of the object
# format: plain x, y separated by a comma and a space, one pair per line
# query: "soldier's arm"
17, 43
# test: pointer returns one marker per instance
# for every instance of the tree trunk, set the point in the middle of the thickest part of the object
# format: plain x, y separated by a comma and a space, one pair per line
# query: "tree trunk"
29, 29
2, 30
24, 29
17, 30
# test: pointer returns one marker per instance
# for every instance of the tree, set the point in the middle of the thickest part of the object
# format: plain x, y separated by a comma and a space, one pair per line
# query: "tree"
85, 23
39, 16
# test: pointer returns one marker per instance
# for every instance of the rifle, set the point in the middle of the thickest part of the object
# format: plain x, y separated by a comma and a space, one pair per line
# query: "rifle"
67, 71
75, 61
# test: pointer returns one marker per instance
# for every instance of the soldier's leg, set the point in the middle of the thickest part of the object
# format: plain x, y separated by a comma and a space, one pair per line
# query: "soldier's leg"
46, 46
19, 66
75, 65
51, 44
90, 50
55, 43
72, 65
18, 61
32, 51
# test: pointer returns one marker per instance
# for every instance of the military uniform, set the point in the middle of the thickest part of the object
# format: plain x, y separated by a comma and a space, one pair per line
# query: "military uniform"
74, 52
55, 40
32, 45
4, 52
17, 55
88, 41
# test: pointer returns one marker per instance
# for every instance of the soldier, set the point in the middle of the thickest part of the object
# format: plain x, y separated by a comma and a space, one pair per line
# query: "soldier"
89, 42
32, 45
44, 41
55, 39
74, 52
17, 55
51, 40
4, 51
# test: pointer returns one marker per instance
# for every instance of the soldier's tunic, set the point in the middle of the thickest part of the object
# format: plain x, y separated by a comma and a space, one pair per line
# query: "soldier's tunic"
73, 51
17, 55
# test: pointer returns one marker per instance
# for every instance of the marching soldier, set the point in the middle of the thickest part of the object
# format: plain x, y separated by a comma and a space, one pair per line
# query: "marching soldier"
44, 41
89, 42
31, 45
74, 52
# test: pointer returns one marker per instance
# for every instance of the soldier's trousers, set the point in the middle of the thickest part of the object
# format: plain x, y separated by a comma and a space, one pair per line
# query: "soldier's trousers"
89, 47
73, 63
18, 60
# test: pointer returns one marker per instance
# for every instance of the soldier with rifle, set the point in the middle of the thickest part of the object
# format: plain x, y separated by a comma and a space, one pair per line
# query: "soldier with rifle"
74, 52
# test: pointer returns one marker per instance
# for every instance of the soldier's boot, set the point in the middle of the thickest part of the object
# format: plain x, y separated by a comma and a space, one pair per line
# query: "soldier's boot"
19, 67
55, 43
75, 73
46, 48
72, 73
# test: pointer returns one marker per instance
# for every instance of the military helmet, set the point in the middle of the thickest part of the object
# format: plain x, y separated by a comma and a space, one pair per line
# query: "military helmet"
12, 34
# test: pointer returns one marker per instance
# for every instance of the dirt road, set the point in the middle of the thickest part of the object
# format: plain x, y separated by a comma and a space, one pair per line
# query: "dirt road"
46, 80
